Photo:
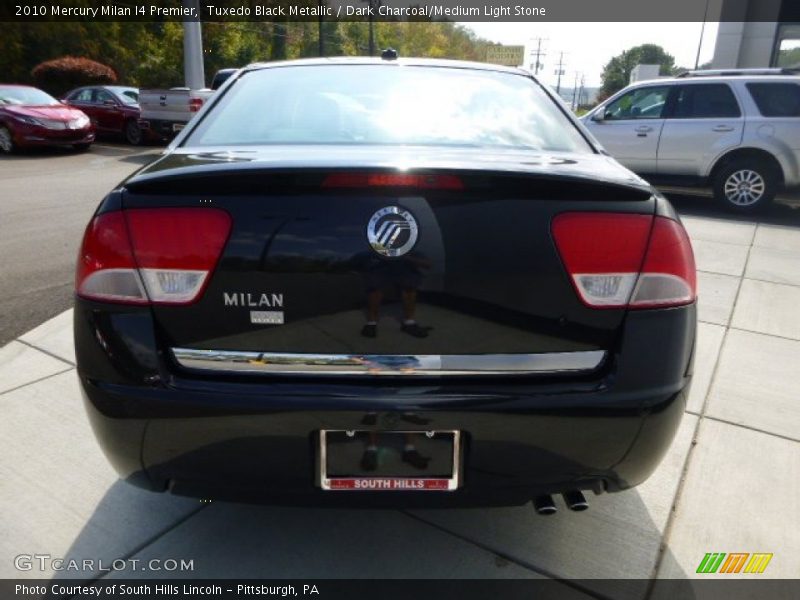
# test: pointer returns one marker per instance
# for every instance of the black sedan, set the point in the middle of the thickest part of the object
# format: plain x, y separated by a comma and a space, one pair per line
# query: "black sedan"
385, 282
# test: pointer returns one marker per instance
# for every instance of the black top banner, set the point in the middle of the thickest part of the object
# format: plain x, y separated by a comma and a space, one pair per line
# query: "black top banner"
401, 10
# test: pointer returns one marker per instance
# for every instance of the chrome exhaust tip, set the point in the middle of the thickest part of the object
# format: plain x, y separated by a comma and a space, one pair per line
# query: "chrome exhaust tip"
575, 500
544, 505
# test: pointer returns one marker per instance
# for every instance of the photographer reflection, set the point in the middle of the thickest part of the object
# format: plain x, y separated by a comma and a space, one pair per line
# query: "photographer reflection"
410, 455
403, 274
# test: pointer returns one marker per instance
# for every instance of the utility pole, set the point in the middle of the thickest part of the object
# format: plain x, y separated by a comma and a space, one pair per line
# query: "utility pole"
539, 54
580, 94
700, 43
193, 70
321, 38
373, 5
575, 92
560, 71
371, 34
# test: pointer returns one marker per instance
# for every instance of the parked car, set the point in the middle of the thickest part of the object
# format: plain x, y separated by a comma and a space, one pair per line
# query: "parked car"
166, 112
221, 77
736, 131
420, 280
31, 117
113, 109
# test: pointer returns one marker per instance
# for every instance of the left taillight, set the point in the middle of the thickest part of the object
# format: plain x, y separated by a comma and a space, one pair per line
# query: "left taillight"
158, 255
106, 268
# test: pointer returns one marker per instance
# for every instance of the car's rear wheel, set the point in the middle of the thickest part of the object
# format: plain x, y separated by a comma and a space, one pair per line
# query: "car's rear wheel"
746, 185
81, 147
133, 133
6, 141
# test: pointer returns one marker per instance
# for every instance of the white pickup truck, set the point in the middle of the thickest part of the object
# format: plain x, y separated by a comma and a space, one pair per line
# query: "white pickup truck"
166, 112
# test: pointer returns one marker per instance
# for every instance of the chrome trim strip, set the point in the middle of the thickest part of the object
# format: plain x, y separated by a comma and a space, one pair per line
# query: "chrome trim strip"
279, 363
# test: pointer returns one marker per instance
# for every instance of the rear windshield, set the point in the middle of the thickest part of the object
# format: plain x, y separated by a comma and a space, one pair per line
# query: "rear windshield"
377, 104
776, 99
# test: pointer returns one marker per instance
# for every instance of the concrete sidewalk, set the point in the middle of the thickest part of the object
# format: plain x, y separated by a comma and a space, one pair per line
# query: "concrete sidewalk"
728, 484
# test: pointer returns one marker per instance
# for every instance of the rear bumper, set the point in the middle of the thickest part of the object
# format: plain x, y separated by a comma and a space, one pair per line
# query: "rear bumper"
255, 438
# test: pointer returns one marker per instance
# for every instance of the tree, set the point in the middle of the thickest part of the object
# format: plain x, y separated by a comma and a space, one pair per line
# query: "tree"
789, 57
703, 67
617, 73
150, 54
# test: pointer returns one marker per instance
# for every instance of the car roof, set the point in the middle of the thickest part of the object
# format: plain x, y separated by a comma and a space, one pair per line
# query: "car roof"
367, 60
109, 86
720, 79
101, 86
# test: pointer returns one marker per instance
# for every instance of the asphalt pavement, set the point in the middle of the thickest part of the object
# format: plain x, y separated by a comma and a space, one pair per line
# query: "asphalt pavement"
46, 199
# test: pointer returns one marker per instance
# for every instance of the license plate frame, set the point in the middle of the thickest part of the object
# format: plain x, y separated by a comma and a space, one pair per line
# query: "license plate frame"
336, 483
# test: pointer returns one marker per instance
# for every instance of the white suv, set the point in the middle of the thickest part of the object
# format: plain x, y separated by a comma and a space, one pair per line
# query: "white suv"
738, 131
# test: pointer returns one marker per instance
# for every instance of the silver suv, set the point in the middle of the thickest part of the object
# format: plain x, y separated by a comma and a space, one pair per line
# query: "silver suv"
737, 131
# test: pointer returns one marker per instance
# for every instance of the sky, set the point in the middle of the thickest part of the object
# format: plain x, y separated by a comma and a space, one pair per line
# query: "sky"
588, 47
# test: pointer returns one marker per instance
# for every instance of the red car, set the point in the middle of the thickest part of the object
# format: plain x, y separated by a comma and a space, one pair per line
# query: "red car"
113, 109
31, 117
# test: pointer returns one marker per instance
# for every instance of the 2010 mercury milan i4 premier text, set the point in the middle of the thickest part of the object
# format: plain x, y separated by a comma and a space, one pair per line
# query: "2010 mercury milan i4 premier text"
385, 282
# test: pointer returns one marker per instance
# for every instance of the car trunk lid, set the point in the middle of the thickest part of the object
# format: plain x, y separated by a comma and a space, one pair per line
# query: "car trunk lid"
299, 278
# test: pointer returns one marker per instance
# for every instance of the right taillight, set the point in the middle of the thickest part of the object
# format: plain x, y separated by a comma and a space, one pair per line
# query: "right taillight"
626, 260
158, 255
668, 276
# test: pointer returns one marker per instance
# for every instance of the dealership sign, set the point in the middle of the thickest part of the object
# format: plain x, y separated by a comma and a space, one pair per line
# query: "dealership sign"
511, 56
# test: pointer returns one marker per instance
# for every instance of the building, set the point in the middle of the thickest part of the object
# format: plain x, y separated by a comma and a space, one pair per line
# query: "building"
644, 72
757, 33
